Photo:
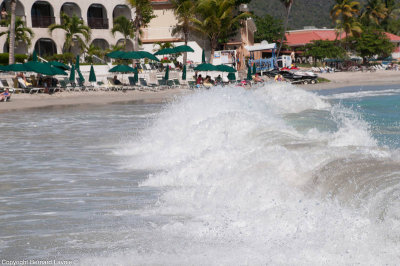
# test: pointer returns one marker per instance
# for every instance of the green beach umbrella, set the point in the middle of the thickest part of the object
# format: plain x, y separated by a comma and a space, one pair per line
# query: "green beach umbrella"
205, 67
80, 75
166, 77
136, 75
249, 73
165, 51
59, 65
115, 54
149, 55
92, 75
184, 72
43, 68
225, 68
72, 74
34, 56
231, 76
123, 69
203, 57
15, 68
183, 49
254, 69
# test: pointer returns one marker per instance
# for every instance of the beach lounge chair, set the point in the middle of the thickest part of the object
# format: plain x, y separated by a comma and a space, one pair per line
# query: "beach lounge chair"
192, 84
113, 85
144, 84
28, 89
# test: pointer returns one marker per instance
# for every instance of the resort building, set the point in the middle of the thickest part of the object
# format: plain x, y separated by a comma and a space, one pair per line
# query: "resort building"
99, 16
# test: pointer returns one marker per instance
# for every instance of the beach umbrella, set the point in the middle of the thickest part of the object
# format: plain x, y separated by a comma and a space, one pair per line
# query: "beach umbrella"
59, 65
77, 62
149, 55
123, 69
248, 73
205, 67
225, 68
231, 76
115, 54
184, 72
183, 49
34, 56
203, 57
82, 79
254, 69
72, 74
15, 68
43, 68
166, 77
165, 51
92, 75
136, 75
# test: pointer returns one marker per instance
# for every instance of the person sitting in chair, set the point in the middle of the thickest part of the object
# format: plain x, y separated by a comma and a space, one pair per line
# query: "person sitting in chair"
5, 95
117, 81
257, 78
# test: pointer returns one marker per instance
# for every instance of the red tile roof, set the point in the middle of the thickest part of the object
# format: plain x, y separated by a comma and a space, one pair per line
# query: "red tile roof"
302, 37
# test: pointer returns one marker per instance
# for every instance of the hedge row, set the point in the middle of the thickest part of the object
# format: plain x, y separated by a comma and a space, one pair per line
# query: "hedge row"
19, 58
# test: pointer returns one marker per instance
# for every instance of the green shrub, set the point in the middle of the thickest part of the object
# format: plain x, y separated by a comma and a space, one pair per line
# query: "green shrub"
323, 80
64, 58
19, 58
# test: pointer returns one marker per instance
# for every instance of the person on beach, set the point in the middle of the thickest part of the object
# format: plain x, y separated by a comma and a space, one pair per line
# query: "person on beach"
199, 80
116, 81
279, 77
4, 14
4, 95
257, 78
218, 80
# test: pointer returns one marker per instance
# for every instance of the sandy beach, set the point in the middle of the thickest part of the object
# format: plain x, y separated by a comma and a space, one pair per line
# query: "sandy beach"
25, 101
337, 80
349, 79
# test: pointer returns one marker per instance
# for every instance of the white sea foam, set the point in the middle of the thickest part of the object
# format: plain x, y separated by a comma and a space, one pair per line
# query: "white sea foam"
362, 93
243, 186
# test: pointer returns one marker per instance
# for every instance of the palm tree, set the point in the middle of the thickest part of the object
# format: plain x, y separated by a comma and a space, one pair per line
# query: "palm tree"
288, 6
75, 29
92, 50
375, 11
216, 19
11, 58
184, 12
144, 14
344, 9
125, 27
21, 32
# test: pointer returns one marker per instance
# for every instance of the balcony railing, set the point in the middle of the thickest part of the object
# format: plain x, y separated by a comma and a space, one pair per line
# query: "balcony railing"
98, 23
42, 21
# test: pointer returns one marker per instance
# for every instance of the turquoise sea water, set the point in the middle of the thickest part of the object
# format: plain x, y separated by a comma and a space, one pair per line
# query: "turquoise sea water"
270, 176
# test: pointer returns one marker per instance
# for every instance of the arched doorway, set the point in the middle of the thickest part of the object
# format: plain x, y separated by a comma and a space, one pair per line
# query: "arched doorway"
122, 10
97, 17
19, 10
42, 14
129, 44
45, 47
101, 43
71, 9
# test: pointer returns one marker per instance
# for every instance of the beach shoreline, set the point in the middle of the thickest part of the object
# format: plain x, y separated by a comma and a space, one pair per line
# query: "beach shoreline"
62, 99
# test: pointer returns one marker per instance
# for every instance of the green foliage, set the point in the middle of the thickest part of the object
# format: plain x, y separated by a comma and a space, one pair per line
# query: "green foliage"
322, 80
184, 12
75, 29
144, 14
372, 42
19, 58
64, 58
268, 28
125, 26
324, 49
22, 33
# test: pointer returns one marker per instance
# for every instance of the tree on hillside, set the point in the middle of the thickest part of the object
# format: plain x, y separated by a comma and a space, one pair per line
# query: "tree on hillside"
217, 19
372, 42
184, 12
11, 58
374, 12
21, 32
75, 29
125, 26
268, 28
288, 6
144, 14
